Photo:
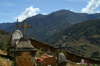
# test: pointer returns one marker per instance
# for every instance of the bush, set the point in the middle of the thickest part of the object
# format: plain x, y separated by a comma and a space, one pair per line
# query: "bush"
95, 65
13, 63
3, 45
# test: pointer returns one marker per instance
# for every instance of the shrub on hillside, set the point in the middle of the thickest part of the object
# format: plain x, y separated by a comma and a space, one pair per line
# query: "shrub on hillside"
3, 45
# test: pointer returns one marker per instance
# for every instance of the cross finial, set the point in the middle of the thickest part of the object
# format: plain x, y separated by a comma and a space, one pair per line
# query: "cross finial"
17, 24
25, 26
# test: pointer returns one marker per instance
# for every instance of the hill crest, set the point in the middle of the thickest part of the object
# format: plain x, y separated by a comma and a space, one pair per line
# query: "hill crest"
47, 25
80, 38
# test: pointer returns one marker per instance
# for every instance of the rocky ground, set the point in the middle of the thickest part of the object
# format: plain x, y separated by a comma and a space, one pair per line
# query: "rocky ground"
4, 61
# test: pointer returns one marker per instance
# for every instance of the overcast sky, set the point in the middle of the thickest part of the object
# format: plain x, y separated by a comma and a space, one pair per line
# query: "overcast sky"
10, 10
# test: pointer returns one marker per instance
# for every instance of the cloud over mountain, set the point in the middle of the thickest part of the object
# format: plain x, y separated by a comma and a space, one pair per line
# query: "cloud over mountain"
29, 12
98, 11
92, 5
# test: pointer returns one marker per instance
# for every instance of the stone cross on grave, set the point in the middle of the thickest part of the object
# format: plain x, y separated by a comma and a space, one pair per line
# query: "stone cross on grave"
61, 61
25, 26
60, 47
24, 53
17, 24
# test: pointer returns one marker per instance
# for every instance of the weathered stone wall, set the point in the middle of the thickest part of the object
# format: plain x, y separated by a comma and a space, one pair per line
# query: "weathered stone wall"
40, 45
70, 56
77, 58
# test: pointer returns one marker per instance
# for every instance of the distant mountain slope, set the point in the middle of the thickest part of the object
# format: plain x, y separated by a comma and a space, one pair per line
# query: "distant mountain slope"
47, 25
81, 38
5, 26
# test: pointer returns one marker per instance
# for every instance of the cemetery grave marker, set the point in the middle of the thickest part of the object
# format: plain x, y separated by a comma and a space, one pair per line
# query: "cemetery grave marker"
24, 52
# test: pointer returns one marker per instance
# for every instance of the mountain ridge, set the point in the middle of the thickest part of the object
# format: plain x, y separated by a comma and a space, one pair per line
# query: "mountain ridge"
47, 25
